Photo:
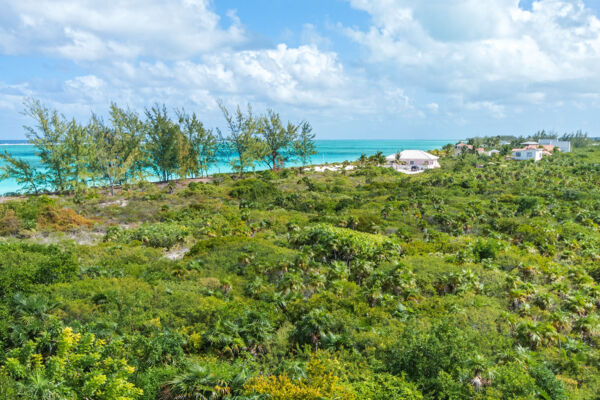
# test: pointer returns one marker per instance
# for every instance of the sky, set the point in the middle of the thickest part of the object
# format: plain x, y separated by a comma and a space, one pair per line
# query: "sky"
355, 69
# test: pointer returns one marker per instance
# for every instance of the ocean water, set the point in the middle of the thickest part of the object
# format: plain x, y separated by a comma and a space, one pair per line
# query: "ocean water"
328, 151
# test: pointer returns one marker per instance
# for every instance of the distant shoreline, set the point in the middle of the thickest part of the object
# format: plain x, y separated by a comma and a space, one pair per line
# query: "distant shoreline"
328, 152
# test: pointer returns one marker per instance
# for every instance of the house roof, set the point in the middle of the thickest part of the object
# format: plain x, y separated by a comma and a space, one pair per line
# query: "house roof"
469, 146
412, 155
529, 143
548, 147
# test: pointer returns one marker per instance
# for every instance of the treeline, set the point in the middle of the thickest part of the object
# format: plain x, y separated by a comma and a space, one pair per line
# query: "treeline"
578, 139
128, 147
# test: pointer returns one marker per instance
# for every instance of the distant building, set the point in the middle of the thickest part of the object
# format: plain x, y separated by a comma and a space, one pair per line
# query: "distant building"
461, 147
527, 154
564, 146
480, 150
413, 161
492, 152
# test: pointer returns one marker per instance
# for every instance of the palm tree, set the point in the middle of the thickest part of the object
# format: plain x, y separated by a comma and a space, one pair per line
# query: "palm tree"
33, 314
195, 383
377, 158
588, 326
386, 211
39, 387
560, 321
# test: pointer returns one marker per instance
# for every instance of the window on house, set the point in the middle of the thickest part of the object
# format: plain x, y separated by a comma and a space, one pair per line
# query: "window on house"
529, 154
412, 163
518, 153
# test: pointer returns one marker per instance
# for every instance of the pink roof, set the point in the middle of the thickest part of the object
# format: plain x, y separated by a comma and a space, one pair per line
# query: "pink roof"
468, 146
545, 147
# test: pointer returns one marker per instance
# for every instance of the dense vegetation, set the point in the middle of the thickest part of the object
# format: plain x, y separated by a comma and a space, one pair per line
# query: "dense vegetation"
459, 283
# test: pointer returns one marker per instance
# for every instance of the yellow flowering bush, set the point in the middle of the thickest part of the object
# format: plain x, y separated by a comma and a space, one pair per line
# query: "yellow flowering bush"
319, 384
81, 367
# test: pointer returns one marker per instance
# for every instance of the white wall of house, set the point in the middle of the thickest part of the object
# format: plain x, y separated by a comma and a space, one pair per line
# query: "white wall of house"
527, 154
416, 164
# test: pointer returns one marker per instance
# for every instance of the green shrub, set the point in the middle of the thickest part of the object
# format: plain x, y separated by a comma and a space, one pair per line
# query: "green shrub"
197, 188
160, 234
24, 265
486, 249
333, 243
254, 191
384, 386
545, 379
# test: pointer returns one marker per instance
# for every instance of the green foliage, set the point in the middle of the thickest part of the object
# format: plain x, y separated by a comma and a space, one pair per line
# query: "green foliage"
50, 137
253, 191
164, 142
423, 357
75, 156
154, 235
304, 146
114, 150
334, 243
23, 266
550, 387
295, 286
277, 138
386, 386
200, 146
242, 139
78, 367
29, 177
486, 249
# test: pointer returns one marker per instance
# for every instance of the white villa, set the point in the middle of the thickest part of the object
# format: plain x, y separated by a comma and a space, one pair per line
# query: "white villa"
535, 151
412, 161
527, 154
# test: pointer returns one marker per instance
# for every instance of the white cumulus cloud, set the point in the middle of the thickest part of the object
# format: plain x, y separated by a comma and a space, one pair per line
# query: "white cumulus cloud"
493, 53
93, 30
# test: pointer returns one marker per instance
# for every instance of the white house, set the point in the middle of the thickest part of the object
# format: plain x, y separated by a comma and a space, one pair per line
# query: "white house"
413, 161
527, 154
564, 146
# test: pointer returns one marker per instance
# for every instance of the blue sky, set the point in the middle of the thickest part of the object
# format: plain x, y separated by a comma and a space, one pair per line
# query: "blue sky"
395, 69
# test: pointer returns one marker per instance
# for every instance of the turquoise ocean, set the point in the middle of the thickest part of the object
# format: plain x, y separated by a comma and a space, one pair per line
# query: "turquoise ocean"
328, 151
